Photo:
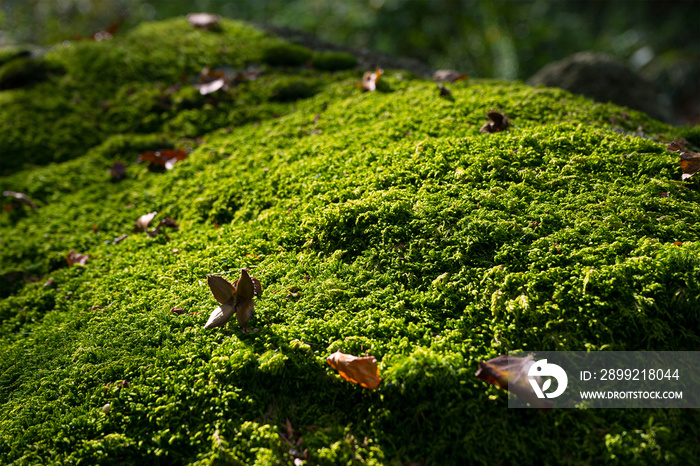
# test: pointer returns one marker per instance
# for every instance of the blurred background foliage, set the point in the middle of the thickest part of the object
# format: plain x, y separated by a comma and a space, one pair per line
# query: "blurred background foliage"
508, 39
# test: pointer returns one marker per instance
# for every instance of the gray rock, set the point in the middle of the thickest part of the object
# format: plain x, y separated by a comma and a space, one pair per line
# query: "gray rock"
604, 79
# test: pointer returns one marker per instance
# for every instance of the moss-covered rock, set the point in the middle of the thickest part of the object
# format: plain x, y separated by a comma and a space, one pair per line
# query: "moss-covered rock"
380, 222
284, 54
25, 71
334, 61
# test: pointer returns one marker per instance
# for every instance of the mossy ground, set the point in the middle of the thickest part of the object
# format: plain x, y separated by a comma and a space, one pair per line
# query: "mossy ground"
408, 233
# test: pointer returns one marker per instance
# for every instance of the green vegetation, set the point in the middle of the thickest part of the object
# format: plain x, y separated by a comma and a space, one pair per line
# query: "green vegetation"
407, 233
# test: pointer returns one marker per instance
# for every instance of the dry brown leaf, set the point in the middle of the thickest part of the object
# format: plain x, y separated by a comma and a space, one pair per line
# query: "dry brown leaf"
497, 122
234, 298
164, 158
362, 371
222, 290
690, 164
119, 239
498, 371
690, 161
450, 76
444, 91
73, 258
143, 222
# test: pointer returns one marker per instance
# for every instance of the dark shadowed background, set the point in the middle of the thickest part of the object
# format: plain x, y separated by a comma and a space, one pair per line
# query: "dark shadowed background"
509, 39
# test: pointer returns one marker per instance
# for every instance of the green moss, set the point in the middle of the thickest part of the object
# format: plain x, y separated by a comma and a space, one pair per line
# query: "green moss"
22, 72
9, 53
405, 231
288, 90
284, 54
334, 61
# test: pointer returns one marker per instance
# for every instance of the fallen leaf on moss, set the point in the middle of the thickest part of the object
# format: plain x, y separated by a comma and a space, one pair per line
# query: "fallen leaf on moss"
211, 81
167, 222
117, 171
449, 76
369, 79
205, 21
444, 91
164, 158
690, 164
362, 371
74, 258
143, 222
678, 243
234, 298
119, 239
293, 293
498, 371
690, 161
497, 122
212, 86
21, 197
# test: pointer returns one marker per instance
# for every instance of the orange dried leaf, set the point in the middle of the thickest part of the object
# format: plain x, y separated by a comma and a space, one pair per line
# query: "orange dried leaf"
690, 161
164, 158
690, 164
361, 371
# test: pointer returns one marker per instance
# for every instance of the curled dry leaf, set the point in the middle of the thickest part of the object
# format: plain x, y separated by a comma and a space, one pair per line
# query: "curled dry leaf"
143, 222
497, 122
498, 371
205, 21
164, 158
73, 258
21, 197
369, 79
690, 161
117, 171
449, 76
362, 371
234, 298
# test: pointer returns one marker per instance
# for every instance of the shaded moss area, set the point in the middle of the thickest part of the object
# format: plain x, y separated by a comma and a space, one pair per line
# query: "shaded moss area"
407, 233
